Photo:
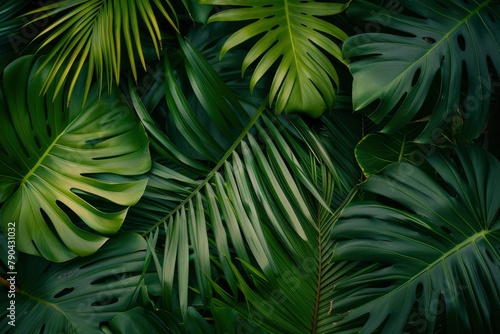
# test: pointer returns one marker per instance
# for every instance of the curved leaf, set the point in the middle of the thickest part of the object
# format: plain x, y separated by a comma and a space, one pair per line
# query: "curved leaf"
79, 295
293, 32
454, 42
260, 209
437, 253
378, 150
63, 165
92, 32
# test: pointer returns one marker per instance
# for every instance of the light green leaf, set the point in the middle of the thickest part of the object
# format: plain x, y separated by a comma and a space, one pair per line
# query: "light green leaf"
64, 171
293, 34
453, 45
95, 32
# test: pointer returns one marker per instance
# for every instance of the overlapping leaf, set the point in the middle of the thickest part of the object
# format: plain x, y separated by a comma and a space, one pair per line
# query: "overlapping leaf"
295, 37
439, 51
64, 170
436, 255
94, 31
79, 295
11, 41
378, 150
261, 209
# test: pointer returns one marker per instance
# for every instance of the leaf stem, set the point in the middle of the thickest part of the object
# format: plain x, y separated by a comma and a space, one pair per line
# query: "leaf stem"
226, 156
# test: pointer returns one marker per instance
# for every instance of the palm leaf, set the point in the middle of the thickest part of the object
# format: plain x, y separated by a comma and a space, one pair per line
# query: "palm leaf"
64, 171
448, 44
10, 39
253, 208
437, 251
93, 32
293, 32
79, 295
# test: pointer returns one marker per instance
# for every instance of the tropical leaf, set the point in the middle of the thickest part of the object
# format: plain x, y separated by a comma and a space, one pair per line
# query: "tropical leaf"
199, 13
293, 32
440, 56
92, 32
436, 251
137, 320
378, 150
9, 30
255, 207
79, 295
64, 170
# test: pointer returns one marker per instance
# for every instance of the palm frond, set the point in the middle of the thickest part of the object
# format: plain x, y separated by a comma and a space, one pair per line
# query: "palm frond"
92, 32
254, 206
10, 37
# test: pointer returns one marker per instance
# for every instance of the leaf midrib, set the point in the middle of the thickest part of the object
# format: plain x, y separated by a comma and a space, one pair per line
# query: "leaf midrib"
290, 34
47, 151
209, 176
466, 242
429, 51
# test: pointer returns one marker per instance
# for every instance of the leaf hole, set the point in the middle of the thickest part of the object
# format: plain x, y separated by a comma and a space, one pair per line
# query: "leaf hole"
420, 291
50, 225
75, 219
416, 76
37, 142
461, 42
275, 27
110, 156
269, 17
64, 292
429, 40
25, 151
466, 2
446, 230
49, 131
105, 302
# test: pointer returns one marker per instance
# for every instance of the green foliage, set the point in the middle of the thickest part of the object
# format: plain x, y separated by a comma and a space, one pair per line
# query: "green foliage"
91, 32
56, 161
437, 252
379, 150
442, 52
76, 296
293, 32
251, 220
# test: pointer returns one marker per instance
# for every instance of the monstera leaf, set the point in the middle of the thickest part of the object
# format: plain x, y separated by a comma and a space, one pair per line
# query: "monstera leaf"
64, 169
434, 256
79, 295
439, 52
378, 150
293, 32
